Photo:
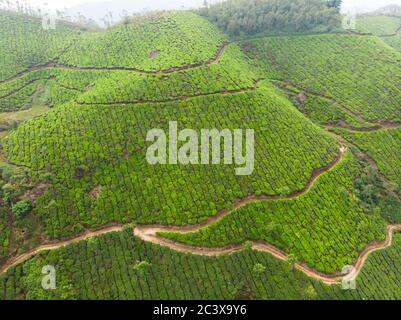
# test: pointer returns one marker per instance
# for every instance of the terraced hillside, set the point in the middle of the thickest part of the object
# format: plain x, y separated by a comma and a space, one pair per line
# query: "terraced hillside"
335, 66
24, 43
321, 228
157, 43
121, 266
379, 25
79, 194
384, 26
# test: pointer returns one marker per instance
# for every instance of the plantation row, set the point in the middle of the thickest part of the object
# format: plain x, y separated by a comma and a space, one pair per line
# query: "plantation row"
230, 74
325, 228
322, 111
84, 147
337, 66
378, 25
119, 266
167, 40
91, 87
24, 43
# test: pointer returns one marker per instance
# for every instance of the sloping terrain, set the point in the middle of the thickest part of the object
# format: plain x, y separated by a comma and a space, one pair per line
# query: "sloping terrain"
158, 43
321, 228
337, 66
379, 25
24, 43
75, 180
388, 27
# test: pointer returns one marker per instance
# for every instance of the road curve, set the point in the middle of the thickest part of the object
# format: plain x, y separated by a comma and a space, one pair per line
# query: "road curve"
17, 260
176, 99
150, 233
55, 65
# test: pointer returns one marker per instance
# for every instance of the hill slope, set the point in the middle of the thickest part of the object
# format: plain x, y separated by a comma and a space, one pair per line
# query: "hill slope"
313, 195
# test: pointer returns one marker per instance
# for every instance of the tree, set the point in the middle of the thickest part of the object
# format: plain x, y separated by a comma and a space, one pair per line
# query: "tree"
21, 209
248, 246
334, 4
259, 268
141, 267
292, 260
250, 17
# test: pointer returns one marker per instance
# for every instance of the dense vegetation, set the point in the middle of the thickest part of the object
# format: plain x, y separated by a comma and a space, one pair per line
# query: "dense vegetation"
163, 42
82, 164
119, 266
378, 25
111, 152
384, 146
250, 17
326, 227
337, 66
25, 43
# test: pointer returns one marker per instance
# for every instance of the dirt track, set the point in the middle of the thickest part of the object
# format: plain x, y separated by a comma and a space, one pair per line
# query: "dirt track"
55, 65
14, 261
398, 31
149, 233
181, 98
376, 125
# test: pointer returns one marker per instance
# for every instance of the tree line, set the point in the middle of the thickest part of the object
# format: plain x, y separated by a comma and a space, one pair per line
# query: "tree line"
248, 17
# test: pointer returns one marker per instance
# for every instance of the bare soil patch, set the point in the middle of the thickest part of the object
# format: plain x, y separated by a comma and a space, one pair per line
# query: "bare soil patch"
95, 193
33, 194
301, 97
154, 54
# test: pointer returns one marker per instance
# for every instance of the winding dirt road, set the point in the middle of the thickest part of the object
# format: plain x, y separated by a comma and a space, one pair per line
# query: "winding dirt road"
15, 261
150, 233
397, 32
55, 65
180, 98
376, 125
